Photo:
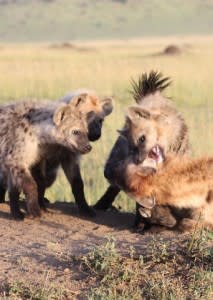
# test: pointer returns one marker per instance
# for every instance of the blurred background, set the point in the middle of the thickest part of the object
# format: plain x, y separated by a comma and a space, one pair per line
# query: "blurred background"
50, 47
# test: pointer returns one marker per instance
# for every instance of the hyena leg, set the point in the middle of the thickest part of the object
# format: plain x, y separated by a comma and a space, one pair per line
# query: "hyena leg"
108, 198
30, 190
14, 193
38, 175
2, 194
3, 186
140, 222
159, 215
72, 172
189, 225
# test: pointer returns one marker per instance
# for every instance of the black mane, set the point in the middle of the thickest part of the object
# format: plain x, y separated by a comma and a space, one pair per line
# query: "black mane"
148, 84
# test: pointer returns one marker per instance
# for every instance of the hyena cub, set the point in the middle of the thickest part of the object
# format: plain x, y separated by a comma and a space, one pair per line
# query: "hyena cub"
155, 119
182, 184
27, 132
94, 110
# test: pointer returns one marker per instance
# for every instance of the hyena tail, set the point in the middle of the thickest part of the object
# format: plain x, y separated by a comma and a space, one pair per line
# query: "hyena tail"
148, 84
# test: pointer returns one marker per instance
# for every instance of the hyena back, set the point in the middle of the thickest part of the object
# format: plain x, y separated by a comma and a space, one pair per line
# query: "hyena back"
27, 133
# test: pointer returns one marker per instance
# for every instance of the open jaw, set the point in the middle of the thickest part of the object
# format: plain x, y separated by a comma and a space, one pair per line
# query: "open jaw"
156, 153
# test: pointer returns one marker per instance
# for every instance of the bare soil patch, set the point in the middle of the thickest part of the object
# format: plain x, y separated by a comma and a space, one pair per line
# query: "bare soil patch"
46, 251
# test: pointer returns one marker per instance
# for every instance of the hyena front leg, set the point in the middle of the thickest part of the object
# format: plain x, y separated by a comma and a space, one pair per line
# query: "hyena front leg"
108, 198
38, 174
2, 193
72, 171
3, 186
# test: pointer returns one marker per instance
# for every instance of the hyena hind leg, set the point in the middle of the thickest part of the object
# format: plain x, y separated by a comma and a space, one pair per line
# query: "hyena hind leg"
22, 180
14, 193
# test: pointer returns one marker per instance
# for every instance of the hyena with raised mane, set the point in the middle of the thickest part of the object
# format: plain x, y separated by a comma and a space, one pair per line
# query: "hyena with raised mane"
154, 119
182, 184
28, 131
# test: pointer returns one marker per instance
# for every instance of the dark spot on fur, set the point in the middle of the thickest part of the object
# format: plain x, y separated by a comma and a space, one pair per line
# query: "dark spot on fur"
209, 197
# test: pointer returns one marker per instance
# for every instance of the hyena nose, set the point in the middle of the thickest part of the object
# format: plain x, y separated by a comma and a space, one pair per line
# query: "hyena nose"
88, 148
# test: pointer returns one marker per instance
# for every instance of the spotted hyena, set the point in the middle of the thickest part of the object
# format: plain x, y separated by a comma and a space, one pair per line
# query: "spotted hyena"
94, 110
28, 132
180, 184
154, 119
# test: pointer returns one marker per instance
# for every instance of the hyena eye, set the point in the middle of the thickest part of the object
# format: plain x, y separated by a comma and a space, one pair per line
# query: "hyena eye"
75, 132
141, 139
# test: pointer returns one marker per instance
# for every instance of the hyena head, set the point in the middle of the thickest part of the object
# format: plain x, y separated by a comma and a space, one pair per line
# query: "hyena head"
148, 133
71, 129
94, 110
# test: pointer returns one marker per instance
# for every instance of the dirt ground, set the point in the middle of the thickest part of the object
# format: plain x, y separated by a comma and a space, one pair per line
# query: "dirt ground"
43, 250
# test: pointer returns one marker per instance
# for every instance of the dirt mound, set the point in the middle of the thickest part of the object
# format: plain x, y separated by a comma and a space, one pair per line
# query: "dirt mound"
71, 46
172, 50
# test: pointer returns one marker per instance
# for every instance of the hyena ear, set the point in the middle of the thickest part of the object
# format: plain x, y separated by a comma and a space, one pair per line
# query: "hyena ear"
90, 116
134, 113
123, 133
60, 114
107, 106
76, 101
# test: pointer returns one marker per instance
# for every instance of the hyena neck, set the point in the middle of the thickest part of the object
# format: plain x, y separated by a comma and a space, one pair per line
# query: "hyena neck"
46, 132
42, 120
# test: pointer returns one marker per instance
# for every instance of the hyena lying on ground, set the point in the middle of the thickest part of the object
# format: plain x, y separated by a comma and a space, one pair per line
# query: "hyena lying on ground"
183, 184
28, 131
141, 130
94, 110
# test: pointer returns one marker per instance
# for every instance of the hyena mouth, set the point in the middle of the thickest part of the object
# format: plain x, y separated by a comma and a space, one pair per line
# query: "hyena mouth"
156, 153
86, 149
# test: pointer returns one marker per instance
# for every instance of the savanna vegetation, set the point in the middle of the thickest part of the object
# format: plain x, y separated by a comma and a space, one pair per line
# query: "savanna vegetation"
61, 20
50, 71
170, 269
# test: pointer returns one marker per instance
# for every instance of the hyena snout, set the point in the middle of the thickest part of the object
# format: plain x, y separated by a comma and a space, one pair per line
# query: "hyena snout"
86, 149
138, 155
94, 130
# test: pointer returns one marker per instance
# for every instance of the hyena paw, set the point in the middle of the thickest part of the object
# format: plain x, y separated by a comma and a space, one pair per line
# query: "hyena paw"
18, 215
87, 212
147, 202
34, 210
145, 212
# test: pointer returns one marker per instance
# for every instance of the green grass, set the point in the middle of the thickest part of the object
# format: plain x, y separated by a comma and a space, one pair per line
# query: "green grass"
41, 71
161, 269
61, 20
160, 272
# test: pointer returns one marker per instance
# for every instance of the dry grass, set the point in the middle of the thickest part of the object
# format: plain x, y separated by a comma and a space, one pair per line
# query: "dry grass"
42, 72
